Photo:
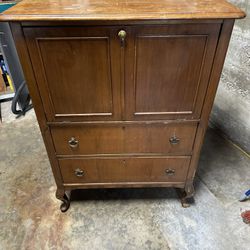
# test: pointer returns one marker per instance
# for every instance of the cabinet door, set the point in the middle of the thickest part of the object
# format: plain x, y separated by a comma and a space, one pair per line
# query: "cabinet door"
77, 71
167, 70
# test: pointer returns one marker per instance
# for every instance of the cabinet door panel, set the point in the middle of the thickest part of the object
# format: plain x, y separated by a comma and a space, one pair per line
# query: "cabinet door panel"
167, 70
76, 73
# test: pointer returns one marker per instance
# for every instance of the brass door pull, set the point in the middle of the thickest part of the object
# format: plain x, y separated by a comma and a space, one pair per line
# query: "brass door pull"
170, 171
122, 35
174, 140
79, 172
73, 143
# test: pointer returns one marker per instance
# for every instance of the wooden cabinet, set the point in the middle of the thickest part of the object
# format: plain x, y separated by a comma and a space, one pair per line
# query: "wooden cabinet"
122, 95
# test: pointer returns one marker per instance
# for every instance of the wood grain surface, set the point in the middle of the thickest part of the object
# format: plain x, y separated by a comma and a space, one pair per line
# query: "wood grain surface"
167, 70
136, 139
142, 169
35, 10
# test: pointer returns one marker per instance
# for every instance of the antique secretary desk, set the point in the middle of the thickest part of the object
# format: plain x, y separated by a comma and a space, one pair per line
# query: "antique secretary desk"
122, 89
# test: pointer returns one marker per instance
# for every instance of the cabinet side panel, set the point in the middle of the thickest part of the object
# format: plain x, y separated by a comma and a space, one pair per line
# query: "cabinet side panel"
218, 63
36, 99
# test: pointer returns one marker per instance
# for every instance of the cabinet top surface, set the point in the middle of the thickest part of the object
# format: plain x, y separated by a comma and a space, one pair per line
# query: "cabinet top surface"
49, 10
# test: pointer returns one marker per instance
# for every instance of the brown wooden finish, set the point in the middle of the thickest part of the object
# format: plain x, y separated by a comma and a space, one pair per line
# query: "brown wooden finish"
123, 123
122, 89
69, 187
124, 170
167, 70
70, 59
50, 10
91, 23
141, 139
36, 100
213, 84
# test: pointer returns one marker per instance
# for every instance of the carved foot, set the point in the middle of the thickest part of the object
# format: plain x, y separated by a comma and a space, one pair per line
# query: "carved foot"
187, 201
61, 195
65, 204
187, 195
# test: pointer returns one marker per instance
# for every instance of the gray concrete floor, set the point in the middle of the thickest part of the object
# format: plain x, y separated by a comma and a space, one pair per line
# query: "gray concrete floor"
117, 219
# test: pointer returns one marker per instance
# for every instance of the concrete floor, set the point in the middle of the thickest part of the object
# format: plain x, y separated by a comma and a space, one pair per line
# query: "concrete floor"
117, 219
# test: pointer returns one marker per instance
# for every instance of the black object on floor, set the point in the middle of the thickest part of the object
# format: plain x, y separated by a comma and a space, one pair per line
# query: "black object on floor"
26, 105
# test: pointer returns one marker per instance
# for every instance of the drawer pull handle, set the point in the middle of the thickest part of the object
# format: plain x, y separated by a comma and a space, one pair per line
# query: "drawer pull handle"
73, 143
122, 35
170, 172
79, 172
174, 140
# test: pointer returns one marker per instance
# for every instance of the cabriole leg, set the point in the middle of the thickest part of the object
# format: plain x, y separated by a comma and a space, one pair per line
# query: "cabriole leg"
187, 194
65, 198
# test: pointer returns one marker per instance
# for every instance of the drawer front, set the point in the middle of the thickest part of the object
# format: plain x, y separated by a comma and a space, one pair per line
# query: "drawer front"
140, 139
106, 170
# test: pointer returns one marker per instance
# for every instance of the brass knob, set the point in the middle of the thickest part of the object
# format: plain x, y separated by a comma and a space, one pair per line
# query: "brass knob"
79, 172
73, 143
122, 35
174, 140
170, 171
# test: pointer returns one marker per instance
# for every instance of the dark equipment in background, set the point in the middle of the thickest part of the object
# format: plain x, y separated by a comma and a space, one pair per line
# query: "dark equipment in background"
22, 97
26, 105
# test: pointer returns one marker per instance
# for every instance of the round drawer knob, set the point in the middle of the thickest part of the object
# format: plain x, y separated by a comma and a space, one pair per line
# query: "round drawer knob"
170, 172
73, 143
79, 172
174, 140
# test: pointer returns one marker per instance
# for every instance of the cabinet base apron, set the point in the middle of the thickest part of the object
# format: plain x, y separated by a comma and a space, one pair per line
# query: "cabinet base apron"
184, 191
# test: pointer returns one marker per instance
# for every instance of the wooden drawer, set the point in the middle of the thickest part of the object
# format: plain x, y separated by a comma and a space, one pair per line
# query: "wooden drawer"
138, 169
140, 139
